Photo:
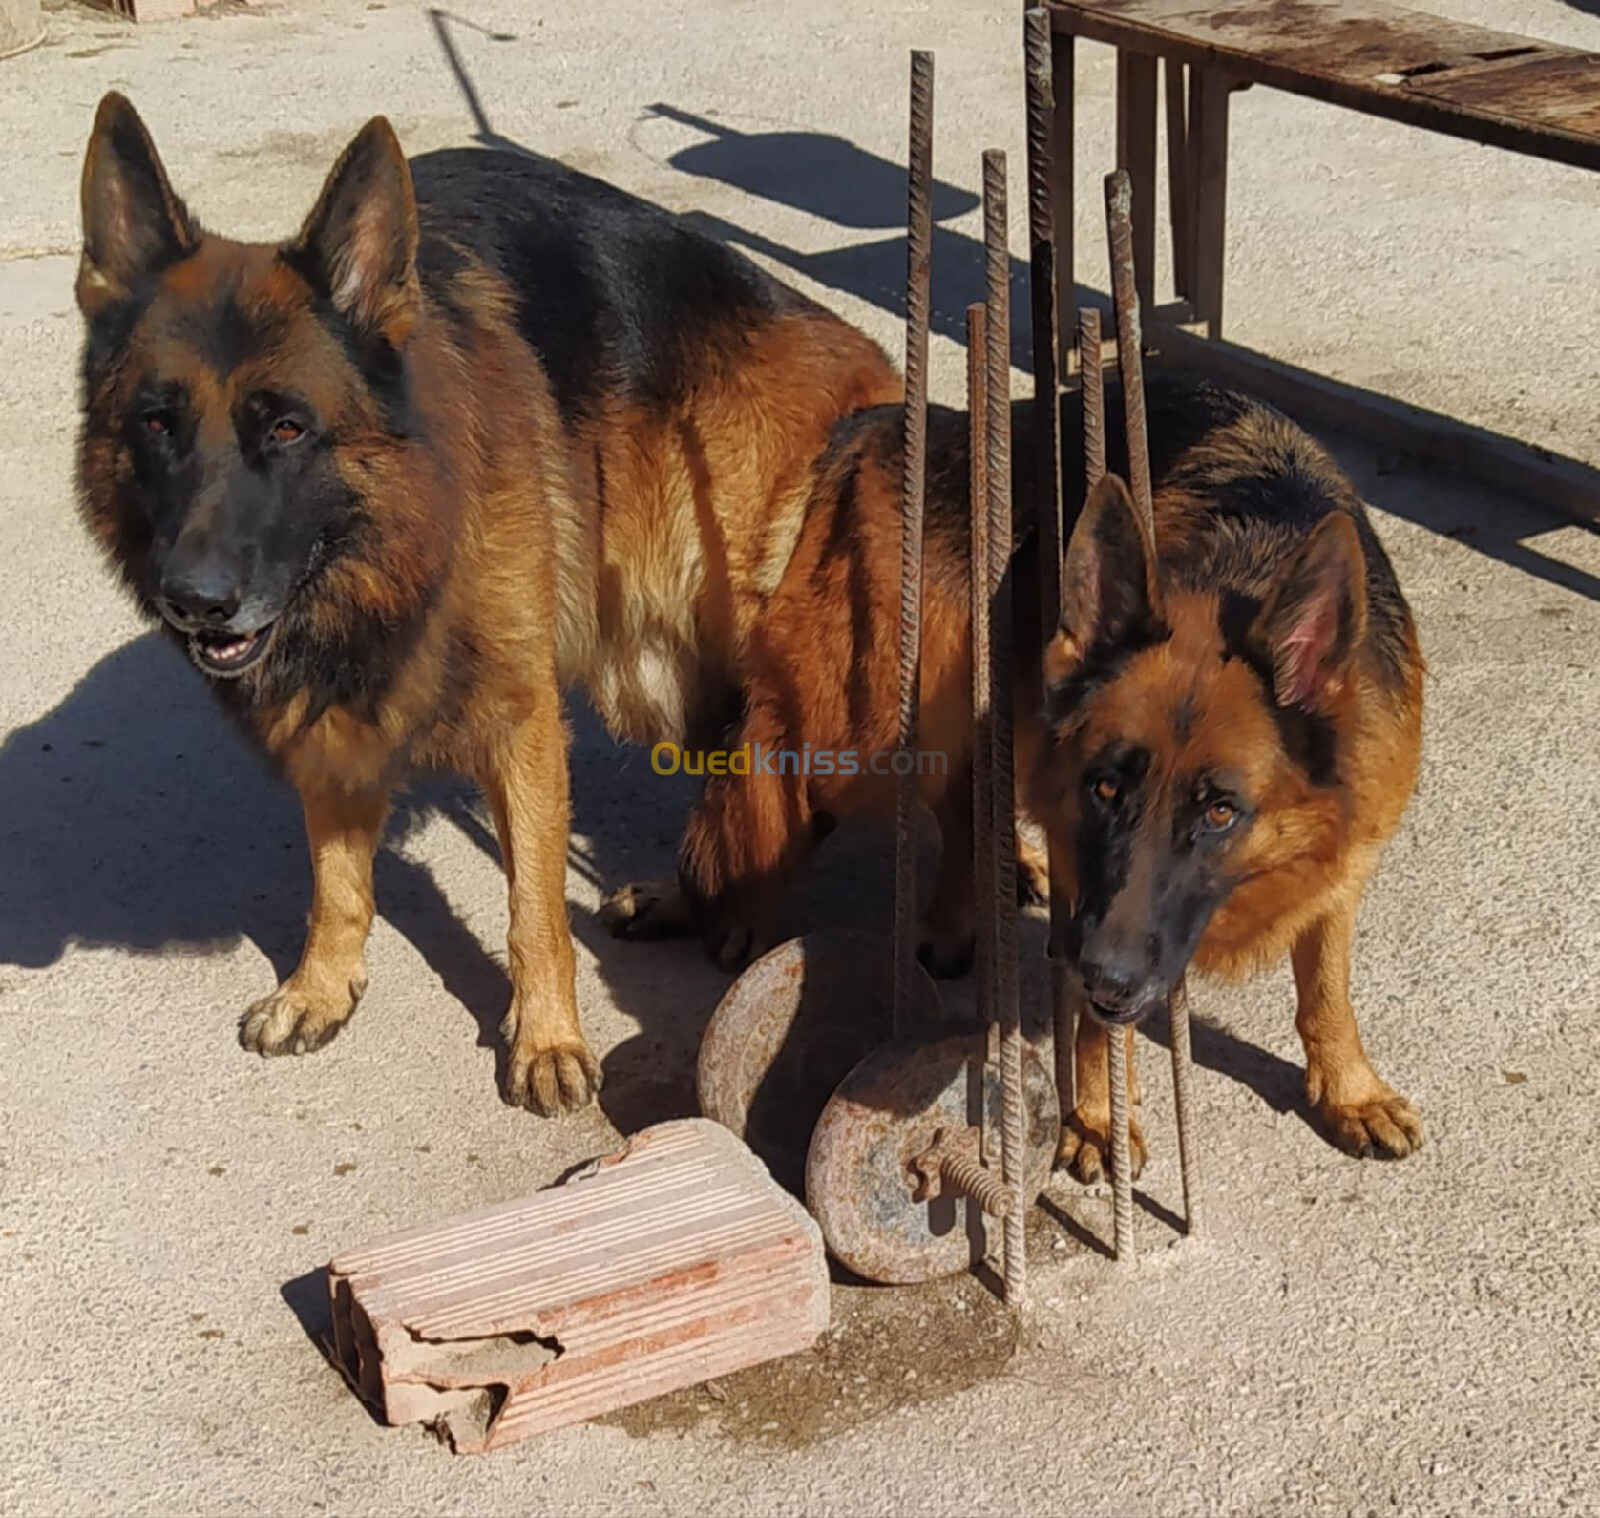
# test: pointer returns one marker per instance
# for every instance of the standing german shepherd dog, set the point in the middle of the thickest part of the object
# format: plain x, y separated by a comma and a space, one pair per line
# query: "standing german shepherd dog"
1231, 734
483, 428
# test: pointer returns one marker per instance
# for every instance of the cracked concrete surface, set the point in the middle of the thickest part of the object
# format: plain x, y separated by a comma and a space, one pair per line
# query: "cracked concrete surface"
1414, 1338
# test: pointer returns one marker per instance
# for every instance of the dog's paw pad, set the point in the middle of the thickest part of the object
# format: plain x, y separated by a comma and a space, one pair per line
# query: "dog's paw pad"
291, 1022
1387, 1127
1085, 1149
560, 1078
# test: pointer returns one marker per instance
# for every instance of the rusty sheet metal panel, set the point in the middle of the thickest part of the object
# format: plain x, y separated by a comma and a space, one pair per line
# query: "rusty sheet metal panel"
676, 1260
1497, 88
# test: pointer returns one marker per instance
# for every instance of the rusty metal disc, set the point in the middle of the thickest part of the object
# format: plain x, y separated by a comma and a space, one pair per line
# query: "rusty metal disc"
789, 1029
889, 1110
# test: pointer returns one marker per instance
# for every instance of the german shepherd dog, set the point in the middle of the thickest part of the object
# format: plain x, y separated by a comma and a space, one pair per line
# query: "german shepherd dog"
1231, 729
482, 429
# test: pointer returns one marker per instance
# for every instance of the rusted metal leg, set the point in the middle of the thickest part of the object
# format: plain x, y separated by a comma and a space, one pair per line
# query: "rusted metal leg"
1063, 76
1136, 152
1208, 171
1180, 194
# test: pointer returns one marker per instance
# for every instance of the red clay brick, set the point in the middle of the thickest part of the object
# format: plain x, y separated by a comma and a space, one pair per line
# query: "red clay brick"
673, 1261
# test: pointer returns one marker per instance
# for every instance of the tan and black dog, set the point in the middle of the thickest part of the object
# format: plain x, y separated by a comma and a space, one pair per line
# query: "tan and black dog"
1231, 734
484, 427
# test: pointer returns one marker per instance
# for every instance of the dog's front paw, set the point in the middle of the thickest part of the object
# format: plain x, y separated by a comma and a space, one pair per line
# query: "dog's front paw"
645, 909
1383, 1126
1360, 1113
295, 1020
552, 1077
1085, 1149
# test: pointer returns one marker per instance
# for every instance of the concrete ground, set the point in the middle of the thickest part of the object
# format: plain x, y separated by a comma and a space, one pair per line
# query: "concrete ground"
1351, 1337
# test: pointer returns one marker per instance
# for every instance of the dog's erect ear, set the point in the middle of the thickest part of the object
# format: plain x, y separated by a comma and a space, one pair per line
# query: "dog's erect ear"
359, 244
133, 225
1110, 588
1314, 623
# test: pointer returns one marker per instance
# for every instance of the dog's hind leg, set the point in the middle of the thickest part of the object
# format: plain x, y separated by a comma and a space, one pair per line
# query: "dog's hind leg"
551, 1068
749, 836
314, 1003
1361, 1113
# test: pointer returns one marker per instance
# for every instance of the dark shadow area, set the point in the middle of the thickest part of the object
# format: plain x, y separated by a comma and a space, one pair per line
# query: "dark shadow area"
1075, 1230
875, 272
133, 815
1163, 1215
1280, 1084
823, 175
306, 1296
443, 22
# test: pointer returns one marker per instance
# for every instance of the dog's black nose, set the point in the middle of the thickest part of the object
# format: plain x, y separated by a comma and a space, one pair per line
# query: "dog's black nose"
1112, 983
201, 597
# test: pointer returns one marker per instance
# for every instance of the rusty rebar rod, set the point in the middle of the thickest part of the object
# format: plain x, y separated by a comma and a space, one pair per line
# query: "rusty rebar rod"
1130, 365
1092, 381
1130, 339
997, 354
919, 245
1182, 1102
1130, 355
982, 733
1127, 1249
1044, 272
1046, 339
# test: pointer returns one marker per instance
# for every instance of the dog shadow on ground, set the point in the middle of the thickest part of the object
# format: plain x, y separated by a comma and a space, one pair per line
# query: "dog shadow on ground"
134, 816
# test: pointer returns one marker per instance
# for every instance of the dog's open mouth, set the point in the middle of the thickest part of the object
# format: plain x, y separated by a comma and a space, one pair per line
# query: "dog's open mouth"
1118, 1017
226, 654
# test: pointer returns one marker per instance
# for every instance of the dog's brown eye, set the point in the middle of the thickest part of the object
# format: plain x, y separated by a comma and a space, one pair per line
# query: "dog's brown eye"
287, 430
1106, 791
1220, 814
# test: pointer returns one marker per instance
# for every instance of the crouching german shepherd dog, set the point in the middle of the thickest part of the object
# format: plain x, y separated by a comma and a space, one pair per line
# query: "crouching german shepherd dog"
483, 428
1231, 732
